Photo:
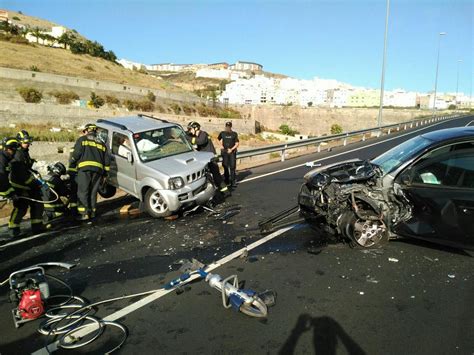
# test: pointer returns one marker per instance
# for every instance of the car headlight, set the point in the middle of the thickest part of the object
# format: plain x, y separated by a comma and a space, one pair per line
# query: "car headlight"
175, 183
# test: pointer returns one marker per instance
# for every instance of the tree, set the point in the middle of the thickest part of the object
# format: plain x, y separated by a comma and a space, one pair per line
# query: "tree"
66, 39
287, 130
310, 103
36, 33
96, 100
336, 129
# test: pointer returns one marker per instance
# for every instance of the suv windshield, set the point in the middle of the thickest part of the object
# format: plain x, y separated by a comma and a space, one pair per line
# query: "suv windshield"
161, 143
395, 157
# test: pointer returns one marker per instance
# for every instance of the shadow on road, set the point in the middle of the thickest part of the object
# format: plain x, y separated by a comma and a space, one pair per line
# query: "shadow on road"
326, 335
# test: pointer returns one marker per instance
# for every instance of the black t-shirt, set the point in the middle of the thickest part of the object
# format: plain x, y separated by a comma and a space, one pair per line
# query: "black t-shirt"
228, 138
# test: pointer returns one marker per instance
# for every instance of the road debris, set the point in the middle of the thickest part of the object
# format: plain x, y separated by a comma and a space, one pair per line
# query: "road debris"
393, 260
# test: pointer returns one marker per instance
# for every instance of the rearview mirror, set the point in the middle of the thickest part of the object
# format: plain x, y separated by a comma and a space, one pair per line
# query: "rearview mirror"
130, 157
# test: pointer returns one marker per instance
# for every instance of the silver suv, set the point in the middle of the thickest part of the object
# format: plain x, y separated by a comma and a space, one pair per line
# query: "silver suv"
153, 161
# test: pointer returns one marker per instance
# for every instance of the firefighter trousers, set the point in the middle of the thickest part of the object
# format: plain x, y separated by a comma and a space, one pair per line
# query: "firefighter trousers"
87, 186
20, 207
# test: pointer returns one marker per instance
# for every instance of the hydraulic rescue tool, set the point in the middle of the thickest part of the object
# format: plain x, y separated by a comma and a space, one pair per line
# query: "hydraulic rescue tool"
246, 301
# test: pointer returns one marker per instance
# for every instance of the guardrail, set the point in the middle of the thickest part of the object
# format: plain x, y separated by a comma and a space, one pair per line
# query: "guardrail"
283, 147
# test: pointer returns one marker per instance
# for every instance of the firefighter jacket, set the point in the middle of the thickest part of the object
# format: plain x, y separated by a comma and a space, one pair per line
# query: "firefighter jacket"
6, 189
90, 154
21, 176
203, 142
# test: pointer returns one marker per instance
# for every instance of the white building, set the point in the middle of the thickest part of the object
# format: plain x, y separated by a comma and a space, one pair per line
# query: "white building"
399, 98
225, 74
131, 65
56, 32
240, 65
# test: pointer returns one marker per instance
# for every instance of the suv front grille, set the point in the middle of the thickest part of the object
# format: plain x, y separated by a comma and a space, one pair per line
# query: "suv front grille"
195, 176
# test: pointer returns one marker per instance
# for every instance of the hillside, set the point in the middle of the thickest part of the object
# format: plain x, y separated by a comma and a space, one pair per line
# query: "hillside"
62, 61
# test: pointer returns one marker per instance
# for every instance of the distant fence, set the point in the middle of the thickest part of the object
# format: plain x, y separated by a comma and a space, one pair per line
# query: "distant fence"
18, 74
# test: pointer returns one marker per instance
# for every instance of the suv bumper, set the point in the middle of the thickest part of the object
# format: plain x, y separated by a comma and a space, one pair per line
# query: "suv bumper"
193, 194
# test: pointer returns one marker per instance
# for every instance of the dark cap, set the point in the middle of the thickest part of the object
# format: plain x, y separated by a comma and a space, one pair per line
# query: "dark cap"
228, 124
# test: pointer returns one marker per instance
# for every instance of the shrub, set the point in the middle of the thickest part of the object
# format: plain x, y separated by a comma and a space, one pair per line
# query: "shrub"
151, 96
96, 100
160, 109
130, 104
19, 40
188, 110
229, 113
452, 107
112, 100
64, 97
88, 67
336, 129
16, 18
34, 68
145, 105
176, 108
30, 94
287, 130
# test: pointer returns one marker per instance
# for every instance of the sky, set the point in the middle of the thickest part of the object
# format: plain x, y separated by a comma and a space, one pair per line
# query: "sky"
330, 39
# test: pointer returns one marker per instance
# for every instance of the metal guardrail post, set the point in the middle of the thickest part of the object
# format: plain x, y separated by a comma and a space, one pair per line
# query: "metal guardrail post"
345, 141
319, 148
283, 152
379, 133
363, 137
389, 131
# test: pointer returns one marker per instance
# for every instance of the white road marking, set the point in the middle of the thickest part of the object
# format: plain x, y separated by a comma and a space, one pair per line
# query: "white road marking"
162, 292
336, 155
469, 124
44, 234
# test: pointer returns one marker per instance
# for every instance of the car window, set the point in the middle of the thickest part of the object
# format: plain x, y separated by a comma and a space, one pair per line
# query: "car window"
120, 145
161, 143
451, 166
103, 134
395, 157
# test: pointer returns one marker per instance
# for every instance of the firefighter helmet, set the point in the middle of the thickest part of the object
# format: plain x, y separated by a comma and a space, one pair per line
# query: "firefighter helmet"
10, 143
24, 137
57, 168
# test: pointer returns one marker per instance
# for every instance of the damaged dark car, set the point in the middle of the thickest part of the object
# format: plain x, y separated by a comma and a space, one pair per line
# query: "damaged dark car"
422, 188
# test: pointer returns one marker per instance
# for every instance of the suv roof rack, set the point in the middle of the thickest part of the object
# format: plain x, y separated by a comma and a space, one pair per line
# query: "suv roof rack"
153, 117
121, 126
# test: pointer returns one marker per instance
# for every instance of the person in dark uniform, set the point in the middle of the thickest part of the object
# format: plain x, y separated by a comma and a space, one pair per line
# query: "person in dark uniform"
9, 148
201, 142
229, 141
55, 209
25, 183
92, 160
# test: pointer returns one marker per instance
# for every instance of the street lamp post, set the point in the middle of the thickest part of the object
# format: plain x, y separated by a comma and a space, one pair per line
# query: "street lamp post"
457, 82
382, 79
437, 68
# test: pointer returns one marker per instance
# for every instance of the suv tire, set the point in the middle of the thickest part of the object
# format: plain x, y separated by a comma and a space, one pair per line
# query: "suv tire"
155, 204
106, 190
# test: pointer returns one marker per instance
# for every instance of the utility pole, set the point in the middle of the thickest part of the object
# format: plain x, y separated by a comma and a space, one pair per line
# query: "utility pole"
457, 82
437, 69
382, 79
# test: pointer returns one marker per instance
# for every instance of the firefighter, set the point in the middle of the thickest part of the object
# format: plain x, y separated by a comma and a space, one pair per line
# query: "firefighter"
9, 148
229, 141
26, 185
55, 209
92, 160
72, 172
201, 142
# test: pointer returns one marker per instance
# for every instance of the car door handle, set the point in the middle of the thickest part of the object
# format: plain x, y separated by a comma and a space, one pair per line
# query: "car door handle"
467, 209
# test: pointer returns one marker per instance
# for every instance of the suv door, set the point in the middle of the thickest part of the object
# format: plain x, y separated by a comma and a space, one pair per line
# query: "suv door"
122, 171
440, 186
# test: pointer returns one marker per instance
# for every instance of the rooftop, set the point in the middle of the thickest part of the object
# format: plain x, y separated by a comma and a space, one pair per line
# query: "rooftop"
137, 123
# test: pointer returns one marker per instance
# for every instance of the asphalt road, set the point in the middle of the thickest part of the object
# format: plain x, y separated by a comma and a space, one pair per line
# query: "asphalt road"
335, 302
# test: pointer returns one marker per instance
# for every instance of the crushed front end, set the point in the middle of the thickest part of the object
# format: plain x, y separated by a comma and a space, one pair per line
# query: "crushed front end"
349, 202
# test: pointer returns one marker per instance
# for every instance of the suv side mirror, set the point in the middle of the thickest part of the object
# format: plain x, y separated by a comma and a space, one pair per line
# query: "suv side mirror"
129, 157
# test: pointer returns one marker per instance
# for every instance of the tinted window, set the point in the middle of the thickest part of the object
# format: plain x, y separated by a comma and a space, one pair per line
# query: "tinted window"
451, 166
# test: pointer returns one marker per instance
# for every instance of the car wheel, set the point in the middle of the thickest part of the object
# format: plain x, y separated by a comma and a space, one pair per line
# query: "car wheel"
363, 233
106, 190
155, 204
